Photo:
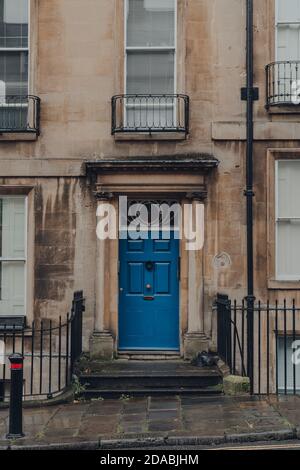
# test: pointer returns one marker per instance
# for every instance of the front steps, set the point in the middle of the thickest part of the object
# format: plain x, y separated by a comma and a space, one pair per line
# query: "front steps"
146, 356
141, 378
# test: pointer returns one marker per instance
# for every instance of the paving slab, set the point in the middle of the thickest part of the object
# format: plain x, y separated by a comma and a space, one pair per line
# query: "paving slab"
288, 407
156, 418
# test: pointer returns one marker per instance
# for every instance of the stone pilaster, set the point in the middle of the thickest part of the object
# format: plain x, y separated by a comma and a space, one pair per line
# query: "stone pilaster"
101, 341
195, 340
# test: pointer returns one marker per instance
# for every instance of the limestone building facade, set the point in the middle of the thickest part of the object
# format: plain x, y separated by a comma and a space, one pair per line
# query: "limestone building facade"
142, 98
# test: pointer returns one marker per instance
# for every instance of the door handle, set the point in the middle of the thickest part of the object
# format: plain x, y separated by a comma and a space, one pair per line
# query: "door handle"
148, 286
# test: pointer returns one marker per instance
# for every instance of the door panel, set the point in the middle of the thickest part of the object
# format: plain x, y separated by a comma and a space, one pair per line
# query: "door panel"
161, 245
135, 278
135, 245
149, 294
162, 278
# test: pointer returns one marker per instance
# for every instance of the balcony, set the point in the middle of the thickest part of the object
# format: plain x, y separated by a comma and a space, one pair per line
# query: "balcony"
150, 116
19, 117
283, 84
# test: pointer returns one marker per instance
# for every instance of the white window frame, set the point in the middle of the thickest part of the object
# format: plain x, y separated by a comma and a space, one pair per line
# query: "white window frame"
21, 49
149, 49
281, 277
25, 258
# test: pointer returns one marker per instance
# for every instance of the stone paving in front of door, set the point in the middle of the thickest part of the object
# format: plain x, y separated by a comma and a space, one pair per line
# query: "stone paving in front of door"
155, 416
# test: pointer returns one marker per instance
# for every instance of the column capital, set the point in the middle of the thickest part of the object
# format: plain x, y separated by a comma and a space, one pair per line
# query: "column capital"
197, 196
103, 195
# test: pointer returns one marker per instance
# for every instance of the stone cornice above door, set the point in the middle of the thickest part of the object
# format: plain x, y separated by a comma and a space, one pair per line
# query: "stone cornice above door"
189, 162
182, 175
179, 176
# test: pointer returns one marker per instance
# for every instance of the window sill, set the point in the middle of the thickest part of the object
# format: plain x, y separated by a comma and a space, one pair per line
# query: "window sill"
284, 109
7, 323
283, 285
142, 136
18, 136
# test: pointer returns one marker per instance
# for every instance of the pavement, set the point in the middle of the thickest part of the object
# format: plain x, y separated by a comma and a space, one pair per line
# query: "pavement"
157, 422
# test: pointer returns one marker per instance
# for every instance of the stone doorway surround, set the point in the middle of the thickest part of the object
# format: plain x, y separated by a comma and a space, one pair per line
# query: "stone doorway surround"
181, 177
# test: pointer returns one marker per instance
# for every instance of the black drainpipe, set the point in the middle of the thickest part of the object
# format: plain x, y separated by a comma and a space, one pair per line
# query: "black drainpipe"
249, 194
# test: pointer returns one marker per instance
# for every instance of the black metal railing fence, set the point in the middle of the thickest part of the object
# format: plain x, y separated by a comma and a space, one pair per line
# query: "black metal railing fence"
50, 350
276, 361
150, 113
20, 113
283, 83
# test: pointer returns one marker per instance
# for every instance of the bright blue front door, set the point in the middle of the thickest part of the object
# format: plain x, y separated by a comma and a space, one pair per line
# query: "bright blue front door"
149, 294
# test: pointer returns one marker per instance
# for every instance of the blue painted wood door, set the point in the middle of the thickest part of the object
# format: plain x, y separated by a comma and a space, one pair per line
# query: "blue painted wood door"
149, 294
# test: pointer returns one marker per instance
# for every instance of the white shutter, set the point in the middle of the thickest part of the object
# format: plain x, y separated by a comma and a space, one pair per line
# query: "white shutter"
289, 365
288, 35
288, 11
159, 5
288, 219
13, 231
288, 250
288, 42
15, 11
2, 91
288, 188
12, 301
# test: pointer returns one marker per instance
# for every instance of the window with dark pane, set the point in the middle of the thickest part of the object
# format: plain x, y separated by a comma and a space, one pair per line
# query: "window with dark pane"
14, 23
14, 52
150, 64
1, 225
13, 255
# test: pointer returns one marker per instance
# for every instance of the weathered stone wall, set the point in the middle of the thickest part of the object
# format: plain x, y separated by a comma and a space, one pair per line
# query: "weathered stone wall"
76, 67
61, 246
64, 247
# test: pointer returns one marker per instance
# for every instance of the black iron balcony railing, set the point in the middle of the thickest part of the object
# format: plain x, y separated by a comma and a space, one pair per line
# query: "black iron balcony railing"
150, 113
283, 83
20, 114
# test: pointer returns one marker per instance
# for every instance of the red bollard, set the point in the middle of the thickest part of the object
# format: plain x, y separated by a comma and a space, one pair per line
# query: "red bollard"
16, 397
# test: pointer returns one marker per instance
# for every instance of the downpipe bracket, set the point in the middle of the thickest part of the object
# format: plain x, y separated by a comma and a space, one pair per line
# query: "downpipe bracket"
252, 93
249, 193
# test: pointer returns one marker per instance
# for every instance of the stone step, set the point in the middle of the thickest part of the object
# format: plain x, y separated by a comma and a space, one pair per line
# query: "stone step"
143, 356
131, 381
137, 378
109, 393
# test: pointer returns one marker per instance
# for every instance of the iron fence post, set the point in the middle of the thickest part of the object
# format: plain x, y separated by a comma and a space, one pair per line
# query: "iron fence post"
76, 327
16, 392
250, 340
73, 338
224, 328
81, 309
